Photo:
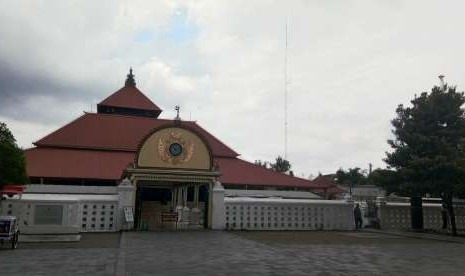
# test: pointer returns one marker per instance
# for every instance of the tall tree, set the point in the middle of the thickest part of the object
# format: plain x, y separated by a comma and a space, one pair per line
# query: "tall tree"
281, 165
429, 146
387, 179
351, 177
12, 161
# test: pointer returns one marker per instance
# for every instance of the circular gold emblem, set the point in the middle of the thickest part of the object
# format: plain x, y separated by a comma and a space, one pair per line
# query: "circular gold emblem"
174, 149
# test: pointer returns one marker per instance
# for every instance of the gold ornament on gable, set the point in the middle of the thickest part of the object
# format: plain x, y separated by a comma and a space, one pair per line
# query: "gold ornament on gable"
175, 149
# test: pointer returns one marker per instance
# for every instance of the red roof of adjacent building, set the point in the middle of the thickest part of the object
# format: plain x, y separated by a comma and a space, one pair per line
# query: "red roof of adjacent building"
323, 182
130, 97
237, 171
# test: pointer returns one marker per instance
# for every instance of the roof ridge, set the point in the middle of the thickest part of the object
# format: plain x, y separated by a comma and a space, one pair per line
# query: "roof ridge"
106, 98
132, 116
80, 148
85, 148
145, 96
218, 140
59, 129
275, 172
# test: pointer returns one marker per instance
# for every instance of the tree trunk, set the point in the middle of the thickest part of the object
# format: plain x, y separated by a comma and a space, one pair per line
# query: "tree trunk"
450, 211
416, 212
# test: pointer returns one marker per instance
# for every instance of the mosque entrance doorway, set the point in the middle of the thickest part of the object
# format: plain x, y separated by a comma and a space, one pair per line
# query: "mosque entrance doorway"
171, 206
173, 175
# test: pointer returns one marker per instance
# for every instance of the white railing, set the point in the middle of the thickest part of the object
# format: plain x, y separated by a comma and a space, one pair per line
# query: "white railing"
245, 213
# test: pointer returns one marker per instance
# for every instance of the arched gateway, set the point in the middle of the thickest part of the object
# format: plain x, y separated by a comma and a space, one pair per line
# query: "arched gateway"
173, 175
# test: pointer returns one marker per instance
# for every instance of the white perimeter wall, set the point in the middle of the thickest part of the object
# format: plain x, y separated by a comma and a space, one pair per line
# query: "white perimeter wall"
103, 212
243, 213
81, 213
395, 215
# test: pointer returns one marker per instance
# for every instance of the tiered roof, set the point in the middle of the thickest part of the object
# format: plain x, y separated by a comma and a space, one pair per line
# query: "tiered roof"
129, 101
130, 97
119, 133
101, 145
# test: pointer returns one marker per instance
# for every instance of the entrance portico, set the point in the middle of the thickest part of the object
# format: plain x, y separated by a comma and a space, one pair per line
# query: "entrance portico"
173, 177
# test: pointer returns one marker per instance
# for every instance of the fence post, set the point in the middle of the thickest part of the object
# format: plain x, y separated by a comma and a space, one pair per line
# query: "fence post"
218, 211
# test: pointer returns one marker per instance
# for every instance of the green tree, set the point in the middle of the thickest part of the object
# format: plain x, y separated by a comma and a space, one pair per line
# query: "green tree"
351, 177
387, 179
281, 165
429, 146
12, 161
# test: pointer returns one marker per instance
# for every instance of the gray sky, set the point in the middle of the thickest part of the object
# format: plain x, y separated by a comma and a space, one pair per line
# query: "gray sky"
350, 64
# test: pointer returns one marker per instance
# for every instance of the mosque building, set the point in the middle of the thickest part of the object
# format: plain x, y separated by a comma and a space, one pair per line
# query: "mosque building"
171, 165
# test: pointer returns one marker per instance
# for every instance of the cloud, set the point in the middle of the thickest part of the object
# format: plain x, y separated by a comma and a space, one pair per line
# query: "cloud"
350, 64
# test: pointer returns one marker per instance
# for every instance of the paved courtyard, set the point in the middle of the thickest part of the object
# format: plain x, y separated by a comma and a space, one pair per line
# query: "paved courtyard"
237, 253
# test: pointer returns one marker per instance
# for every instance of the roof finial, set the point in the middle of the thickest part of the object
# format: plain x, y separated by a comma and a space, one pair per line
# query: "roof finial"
130, 81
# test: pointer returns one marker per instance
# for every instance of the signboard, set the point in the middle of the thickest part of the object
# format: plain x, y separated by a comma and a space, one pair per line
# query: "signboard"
128, 215
48, 215
168, 216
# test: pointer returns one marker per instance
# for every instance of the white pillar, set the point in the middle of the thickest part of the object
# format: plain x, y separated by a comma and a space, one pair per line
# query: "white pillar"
178, 208
173, 198
382, 208
184, 199
218, 211
185, 209
178, 197
195, 212
196, 196
125, 199
350, 223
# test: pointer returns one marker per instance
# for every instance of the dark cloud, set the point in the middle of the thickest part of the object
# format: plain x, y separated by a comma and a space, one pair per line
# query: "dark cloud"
16, 84
24, 95
350, 64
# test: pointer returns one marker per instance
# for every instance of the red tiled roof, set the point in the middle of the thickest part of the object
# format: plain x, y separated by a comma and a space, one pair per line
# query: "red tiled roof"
130, 97
118, 132
324, 182
109, 165
101, 146
237, 171
77, 163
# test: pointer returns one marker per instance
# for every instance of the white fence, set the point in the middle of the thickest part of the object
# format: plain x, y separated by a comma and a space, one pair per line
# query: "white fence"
44, 216
98, 216
395, 215
60, 214
244, 213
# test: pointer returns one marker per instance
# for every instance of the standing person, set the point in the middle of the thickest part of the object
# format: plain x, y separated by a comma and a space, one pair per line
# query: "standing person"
358, 216
445, 218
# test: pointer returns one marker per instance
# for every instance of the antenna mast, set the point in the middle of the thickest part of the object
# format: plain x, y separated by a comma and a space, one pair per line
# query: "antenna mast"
285, 86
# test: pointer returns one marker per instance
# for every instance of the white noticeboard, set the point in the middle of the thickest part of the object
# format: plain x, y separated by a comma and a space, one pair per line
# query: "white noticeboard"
128, 215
